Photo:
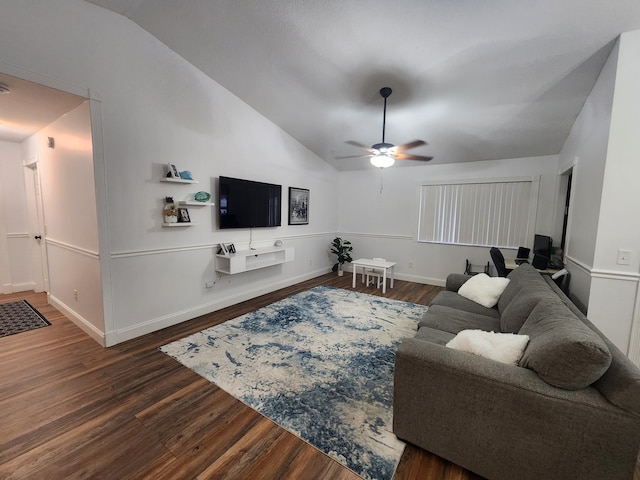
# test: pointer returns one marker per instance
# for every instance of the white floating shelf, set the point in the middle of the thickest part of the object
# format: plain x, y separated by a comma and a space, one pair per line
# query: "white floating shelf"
194, 203
177, 180
179, 224
246, 260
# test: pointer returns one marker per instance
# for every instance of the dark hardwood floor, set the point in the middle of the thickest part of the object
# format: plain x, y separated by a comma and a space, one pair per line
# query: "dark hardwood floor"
71, 409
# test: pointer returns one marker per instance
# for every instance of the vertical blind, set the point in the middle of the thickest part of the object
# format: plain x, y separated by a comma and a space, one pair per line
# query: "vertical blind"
496, 213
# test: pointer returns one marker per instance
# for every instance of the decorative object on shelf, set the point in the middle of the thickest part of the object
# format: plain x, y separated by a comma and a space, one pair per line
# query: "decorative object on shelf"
298, 206
170, 210
186, 175
223, 249
173, 171
183, 215
231, 248
201, 196
342, 249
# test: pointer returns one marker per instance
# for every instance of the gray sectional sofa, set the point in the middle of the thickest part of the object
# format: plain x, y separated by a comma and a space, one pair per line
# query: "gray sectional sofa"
570, 409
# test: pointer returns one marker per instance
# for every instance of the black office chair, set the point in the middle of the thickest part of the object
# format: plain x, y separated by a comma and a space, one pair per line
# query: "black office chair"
498, 261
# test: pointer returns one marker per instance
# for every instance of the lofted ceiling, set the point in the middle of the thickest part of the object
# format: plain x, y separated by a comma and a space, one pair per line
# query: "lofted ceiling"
476, 80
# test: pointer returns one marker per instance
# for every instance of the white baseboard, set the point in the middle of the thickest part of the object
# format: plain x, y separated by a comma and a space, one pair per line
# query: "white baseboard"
418, 279
8, 288
78, 319
348, 270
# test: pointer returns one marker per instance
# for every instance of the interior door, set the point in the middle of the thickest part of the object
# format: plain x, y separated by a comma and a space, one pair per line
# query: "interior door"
37, 227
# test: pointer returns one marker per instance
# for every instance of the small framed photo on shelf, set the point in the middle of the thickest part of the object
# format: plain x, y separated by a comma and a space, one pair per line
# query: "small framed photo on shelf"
231, 248
183, 215
173, 171
298, 206
223, 249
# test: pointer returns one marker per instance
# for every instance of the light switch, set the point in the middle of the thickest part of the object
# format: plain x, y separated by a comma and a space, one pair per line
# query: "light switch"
624, 257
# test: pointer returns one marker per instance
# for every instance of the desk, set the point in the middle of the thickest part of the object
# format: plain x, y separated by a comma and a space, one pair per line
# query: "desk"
366, 262
512, 265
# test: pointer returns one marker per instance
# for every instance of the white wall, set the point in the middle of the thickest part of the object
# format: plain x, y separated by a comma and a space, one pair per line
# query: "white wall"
384, 224
15, 240
618, 224
603, 147
585, 150
155, 108
69, 205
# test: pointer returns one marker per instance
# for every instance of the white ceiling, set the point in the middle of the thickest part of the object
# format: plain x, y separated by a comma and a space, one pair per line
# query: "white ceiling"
476, 79
29, 107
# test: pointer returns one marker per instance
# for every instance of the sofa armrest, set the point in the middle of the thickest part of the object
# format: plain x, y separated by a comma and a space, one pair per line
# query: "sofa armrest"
498, 420
456, 280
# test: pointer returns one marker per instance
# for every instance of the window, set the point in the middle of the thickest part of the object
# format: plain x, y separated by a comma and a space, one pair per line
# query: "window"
490, 213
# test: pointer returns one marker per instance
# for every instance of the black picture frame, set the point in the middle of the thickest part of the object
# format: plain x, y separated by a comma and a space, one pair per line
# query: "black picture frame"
173, 171
231, 248
183, 215
298, 206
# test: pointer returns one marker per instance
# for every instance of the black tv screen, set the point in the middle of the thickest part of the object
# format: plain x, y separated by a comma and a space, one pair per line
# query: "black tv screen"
248, 204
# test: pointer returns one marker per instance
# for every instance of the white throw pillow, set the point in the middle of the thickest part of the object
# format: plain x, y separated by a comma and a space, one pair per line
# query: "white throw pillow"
483, 289
502, 347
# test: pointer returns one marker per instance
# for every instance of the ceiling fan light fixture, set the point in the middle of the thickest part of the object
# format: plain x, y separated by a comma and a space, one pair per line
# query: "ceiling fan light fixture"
382, 161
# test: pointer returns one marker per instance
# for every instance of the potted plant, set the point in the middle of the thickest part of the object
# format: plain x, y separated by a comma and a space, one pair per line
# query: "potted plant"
342, 249
170, 211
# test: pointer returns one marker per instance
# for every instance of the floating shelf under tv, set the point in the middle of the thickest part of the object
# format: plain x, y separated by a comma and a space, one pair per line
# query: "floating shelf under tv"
246, 260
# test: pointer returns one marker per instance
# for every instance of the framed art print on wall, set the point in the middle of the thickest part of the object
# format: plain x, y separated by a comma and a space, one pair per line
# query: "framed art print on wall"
298, 206
183, 215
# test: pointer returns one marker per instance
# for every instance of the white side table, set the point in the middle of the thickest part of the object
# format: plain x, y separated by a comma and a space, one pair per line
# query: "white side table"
369, 263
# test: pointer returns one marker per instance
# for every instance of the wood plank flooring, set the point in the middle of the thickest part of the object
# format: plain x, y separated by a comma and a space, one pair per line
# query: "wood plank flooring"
71, 409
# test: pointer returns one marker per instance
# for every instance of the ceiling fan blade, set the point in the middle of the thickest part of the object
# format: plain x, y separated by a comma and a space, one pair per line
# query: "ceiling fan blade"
354, 156
407, 146
406, 156
360, 145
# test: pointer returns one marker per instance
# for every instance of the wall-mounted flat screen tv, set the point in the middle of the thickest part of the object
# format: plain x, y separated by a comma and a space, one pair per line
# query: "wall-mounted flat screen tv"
248, 204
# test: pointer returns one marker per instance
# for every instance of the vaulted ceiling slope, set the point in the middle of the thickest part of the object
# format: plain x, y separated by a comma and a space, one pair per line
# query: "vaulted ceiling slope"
477, 80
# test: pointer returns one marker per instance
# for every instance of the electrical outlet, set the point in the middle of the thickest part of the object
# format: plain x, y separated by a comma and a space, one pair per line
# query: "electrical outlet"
624, 257
75, 294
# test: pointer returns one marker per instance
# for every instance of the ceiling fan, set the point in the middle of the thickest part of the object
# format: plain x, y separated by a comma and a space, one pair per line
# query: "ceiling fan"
384, 154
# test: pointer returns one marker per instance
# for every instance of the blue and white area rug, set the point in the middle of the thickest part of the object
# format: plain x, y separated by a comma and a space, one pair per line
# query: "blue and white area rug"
320, 364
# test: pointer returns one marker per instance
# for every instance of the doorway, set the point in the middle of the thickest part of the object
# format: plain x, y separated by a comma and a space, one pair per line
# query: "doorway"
35, 209
29, 107
567, 202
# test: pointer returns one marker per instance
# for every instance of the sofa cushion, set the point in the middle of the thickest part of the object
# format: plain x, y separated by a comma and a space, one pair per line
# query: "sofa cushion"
524, 275
501, 347
484, 289
433, 335
620, 384
453, 320
456, 280
516, 312
562, 350
458, 302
